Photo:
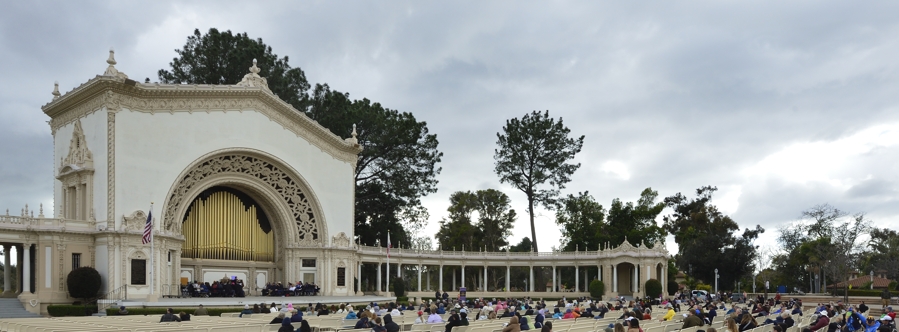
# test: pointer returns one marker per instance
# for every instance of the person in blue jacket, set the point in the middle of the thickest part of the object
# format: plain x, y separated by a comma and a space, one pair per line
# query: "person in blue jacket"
538, 321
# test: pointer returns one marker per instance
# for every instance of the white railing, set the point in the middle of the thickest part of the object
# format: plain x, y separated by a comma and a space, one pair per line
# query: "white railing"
412, 253
43, 223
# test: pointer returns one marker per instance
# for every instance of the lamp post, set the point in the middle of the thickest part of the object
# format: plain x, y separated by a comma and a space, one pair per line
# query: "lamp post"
872, 279
716, 281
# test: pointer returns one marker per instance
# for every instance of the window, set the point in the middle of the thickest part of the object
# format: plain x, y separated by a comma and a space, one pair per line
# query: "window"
138, 271
76, 261
341, 277
309, 263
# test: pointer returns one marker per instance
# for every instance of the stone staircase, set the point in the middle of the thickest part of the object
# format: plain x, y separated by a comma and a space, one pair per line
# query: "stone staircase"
12, 308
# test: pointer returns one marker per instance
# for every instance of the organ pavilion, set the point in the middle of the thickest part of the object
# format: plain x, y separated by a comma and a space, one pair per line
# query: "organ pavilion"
243, 185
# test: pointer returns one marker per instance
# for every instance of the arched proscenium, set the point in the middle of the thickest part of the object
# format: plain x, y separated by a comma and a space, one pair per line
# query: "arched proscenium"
290, 187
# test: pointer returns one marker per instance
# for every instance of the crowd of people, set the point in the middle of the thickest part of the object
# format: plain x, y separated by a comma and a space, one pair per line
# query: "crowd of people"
298, 289
226, 287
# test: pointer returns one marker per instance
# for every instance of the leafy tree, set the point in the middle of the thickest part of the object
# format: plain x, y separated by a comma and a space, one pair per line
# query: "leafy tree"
672, 287
582, 221
884, 252
535, 151
707, 239
597, 289
399, 287
653, 288
583, 226
523, 246
635, 222
494, 224
224, 58
399, 162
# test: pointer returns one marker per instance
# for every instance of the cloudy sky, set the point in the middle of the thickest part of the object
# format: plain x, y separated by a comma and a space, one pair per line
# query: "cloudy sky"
781, 105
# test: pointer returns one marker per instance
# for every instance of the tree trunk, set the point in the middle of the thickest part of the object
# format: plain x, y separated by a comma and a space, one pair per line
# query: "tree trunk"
533, 230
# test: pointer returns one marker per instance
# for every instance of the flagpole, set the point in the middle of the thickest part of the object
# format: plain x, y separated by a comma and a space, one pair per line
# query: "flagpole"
152, 251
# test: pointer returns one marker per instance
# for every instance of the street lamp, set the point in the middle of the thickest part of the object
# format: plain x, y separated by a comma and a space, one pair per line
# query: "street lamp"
716, 281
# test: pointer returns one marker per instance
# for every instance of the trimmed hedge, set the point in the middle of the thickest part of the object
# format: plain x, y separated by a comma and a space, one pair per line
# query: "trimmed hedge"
597, 289
653, 288
63, 310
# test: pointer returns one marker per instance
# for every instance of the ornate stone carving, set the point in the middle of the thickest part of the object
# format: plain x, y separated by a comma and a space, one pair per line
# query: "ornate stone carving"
152, 98
110, 170
134, 223
111, 70
79, 157
253, 79
341, 240
307, 225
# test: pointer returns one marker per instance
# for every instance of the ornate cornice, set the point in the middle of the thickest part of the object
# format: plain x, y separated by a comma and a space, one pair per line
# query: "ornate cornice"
115, 94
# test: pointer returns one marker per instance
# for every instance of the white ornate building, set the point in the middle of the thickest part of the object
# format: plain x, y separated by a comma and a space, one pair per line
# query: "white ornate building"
244, 185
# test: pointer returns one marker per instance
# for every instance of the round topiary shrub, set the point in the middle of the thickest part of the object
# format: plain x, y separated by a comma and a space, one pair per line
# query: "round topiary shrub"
83, 283
672, 287
597, 289
399, 287
653, 288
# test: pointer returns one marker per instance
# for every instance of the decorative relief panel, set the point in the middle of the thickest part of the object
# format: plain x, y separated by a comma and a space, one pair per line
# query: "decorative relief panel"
307, 225
135, 222
341, 240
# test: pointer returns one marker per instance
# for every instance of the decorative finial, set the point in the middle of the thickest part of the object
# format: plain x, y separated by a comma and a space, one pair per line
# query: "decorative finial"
352, 140
111, 60
111, 71
42, 211
56, 90
354, 130
253, 79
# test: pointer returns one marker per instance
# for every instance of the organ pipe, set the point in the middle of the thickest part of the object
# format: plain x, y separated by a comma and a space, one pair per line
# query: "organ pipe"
222, 227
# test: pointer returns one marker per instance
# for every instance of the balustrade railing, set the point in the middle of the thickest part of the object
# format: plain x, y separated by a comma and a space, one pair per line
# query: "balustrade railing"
398, 252
110, 299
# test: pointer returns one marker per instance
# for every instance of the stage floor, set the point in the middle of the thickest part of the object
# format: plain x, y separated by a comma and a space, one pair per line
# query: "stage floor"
240, 301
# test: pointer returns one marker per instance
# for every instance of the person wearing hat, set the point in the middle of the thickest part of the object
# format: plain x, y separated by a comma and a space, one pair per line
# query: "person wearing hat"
286, 326
669, 315
123, 311
891, 313
246, 310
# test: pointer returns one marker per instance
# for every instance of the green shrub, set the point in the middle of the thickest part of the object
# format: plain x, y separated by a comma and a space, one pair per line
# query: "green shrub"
653, 288
597, 289
672, 287
402, 299
399, 287
863, 292
701, 286
83, 283
63, 310
893, 285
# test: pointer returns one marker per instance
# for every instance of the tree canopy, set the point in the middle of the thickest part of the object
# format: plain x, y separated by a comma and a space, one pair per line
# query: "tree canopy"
491, 229
587, 226
398, 165
533, 152
708, 240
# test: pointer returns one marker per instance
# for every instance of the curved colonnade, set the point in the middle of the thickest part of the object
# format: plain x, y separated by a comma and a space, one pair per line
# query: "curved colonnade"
623, 269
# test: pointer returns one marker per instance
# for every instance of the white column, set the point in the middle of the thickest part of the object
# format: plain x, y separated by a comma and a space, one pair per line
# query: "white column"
531, 283
454, 281
577, 280
429, 279
648, 273
419, 277
359, 278
399, 270
663, 278
379, 277
26, 268
507, 279
463, 275
485, 278
634, 286
615, 278
555, 288
7, 280
440, 286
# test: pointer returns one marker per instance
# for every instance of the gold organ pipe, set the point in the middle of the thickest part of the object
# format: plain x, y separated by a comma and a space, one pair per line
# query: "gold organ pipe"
220, 227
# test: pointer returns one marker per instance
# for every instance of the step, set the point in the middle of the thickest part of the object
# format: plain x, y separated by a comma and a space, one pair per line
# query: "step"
12, 308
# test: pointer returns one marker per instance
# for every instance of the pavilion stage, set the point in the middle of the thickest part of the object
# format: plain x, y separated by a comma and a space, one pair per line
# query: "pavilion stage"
298, 301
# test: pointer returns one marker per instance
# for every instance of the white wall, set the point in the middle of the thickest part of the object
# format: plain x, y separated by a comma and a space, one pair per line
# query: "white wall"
153, 149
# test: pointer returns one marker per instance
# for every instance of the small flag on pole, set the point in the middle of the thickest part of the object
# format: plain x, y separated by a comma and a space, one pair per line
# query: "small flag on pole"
148, 228
388, 244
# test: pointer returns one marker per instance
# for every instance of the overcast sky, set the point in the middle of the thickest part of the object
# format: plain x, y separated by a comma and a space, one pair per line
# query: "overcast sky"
781, 105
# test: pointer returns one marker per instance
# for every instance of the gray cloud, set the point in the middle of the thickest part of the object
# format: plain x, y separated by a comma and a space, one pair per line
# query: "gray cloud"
682, 94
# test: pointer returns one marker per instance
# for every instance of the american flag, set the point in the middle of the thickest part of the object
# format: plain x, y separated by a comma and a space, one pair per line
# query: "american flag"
388, 244
148, 228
